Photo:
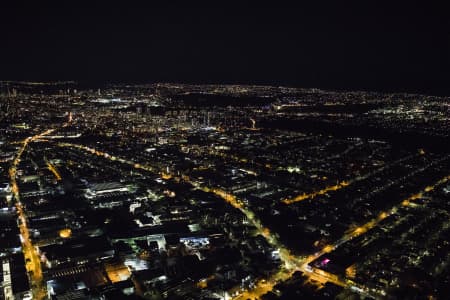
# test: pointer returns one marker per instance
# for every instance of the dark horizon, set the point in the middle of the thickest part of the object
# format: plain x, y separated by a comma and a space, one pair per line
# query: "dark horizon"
357, 47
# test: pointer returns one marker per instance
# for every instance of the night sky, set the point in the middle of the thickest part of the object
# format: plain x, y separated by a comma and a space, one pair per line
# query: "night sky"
375, 47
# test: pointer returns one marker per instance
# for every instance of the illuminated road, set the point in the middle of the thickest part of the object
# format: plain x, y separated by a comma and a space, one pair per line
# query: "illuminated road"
323, 191
344, 183
290, 261
33, 264
53, 169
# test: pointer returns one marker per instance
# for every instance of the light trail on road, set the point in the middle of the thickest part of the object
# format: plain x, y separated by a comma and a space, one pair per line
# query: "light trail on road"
53, 169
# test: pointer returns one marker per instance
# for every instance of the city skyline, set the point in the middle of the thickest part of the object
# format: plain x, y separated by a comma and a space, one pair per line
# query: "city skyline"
378, 47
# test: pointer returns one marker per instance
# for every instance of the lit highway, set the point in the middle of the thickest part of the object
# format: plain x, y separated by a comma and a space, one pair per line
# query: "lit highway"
33, 264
